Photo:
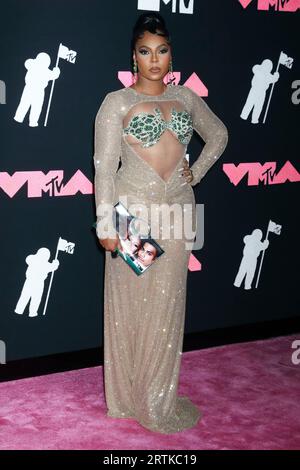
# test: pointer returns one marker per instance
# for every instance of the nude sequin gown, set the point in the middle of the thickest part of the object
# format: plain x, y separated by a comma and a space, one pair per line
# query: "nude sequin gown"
144, 315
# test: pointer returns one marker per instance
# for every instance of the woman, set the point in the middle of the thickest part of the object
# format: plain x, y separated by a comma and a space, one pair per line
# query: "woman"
148, 126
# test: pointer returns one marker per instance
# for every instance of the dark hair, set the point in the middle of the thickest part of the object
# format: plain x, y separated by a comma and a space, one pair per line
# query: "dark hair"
152, 22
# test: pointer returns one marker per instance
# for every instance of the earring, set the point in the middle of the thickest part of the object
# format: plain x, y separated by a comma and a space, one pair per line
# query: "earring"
171, 79
134, 72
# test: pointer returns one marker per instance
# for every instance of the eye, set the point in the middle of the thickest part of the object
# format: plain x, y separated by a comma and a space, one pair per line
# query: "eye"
144, 51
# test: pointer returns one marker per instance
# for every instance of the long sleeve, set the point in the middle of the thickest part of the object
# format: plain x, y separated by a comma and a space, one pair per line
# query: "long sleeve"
214, 133
107, 151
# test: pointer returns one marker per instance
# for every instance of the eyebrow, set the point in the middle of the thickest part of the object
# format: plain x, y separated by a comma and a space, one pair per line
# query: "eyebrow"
163, 44
149, 251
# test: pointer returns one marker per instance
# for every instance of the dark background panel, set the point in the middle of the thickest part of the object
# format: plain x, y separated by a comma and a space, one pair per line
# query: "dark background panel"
220, 42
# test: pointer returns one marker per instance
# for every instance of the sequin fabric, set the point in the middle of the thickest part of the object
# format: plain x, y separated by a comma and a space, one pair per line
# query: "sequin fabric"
144, 315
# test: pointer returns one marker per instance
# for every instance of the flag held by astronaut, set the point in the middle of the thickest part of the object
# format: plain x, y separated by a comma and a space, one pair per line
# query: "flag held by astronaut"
275, 228
66, 54
64, 245
285, 60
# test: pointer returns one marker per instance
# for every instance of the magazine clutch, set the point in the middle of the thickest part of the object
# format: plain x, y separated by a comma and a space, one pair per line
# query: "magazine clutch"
139, 249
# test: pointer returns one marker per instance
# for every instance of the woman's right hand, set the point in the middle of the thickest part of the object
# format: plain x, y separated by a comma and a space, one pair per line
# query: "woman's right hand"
110, 244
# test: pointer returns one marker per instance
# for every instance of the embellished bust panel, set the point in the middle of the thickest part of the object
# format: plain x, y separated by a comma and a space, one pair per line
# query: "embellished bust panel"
148, 127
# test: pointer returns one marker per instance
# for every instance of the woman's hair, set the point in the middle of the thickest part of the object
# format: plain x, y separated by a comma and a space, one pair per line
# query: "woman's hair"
152, 22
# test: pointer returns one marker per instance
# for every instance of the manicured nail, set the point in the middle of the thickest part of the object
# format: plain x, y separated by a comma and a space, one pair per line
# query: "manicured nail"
180, 169
183, 183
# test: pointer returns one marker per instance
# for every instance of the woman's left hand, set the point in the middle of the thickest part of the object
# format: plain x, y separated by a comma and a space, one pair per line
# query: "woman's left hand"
187, 173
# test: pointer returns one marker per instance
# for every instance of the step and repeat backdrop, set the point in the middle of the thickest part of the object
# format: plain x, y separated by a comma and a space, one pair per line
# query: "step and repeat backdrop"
58, 60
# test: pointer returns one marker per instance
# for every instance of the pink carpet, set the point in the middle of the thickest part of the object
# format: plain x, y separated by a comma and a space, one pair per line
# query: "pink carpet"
248, 393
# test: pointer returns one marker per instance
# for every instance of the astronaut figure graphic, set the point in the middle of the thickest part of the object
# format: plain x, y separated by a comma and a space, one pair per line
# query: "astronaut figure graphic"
36, 80
261, 80
253, 247
36, 273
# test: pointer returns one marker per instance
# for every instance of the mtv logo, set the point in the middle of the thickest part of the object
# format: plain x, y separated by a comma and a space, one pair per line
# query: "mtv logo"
154, 5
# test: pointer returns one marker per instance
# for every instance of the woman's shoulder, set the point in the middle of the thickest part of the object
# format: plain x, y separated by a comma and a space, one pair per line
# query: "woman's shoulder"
113, 95
120, 93
117, 93
186, 95
191, 97
187, 91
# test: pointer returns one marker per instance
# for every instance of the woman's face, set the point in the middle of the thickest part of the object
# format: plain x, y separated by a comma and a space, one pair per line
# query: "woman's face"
152, 51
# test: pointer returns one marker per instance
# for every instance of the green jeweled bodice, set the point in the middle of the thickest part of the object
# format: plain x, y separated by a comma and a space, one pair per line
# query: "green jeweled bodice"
148, 127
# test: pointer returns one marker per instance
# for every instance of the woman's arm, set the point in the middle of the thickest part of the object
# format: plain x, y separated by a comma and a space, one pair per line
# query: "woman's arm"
213, 132
107, 143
